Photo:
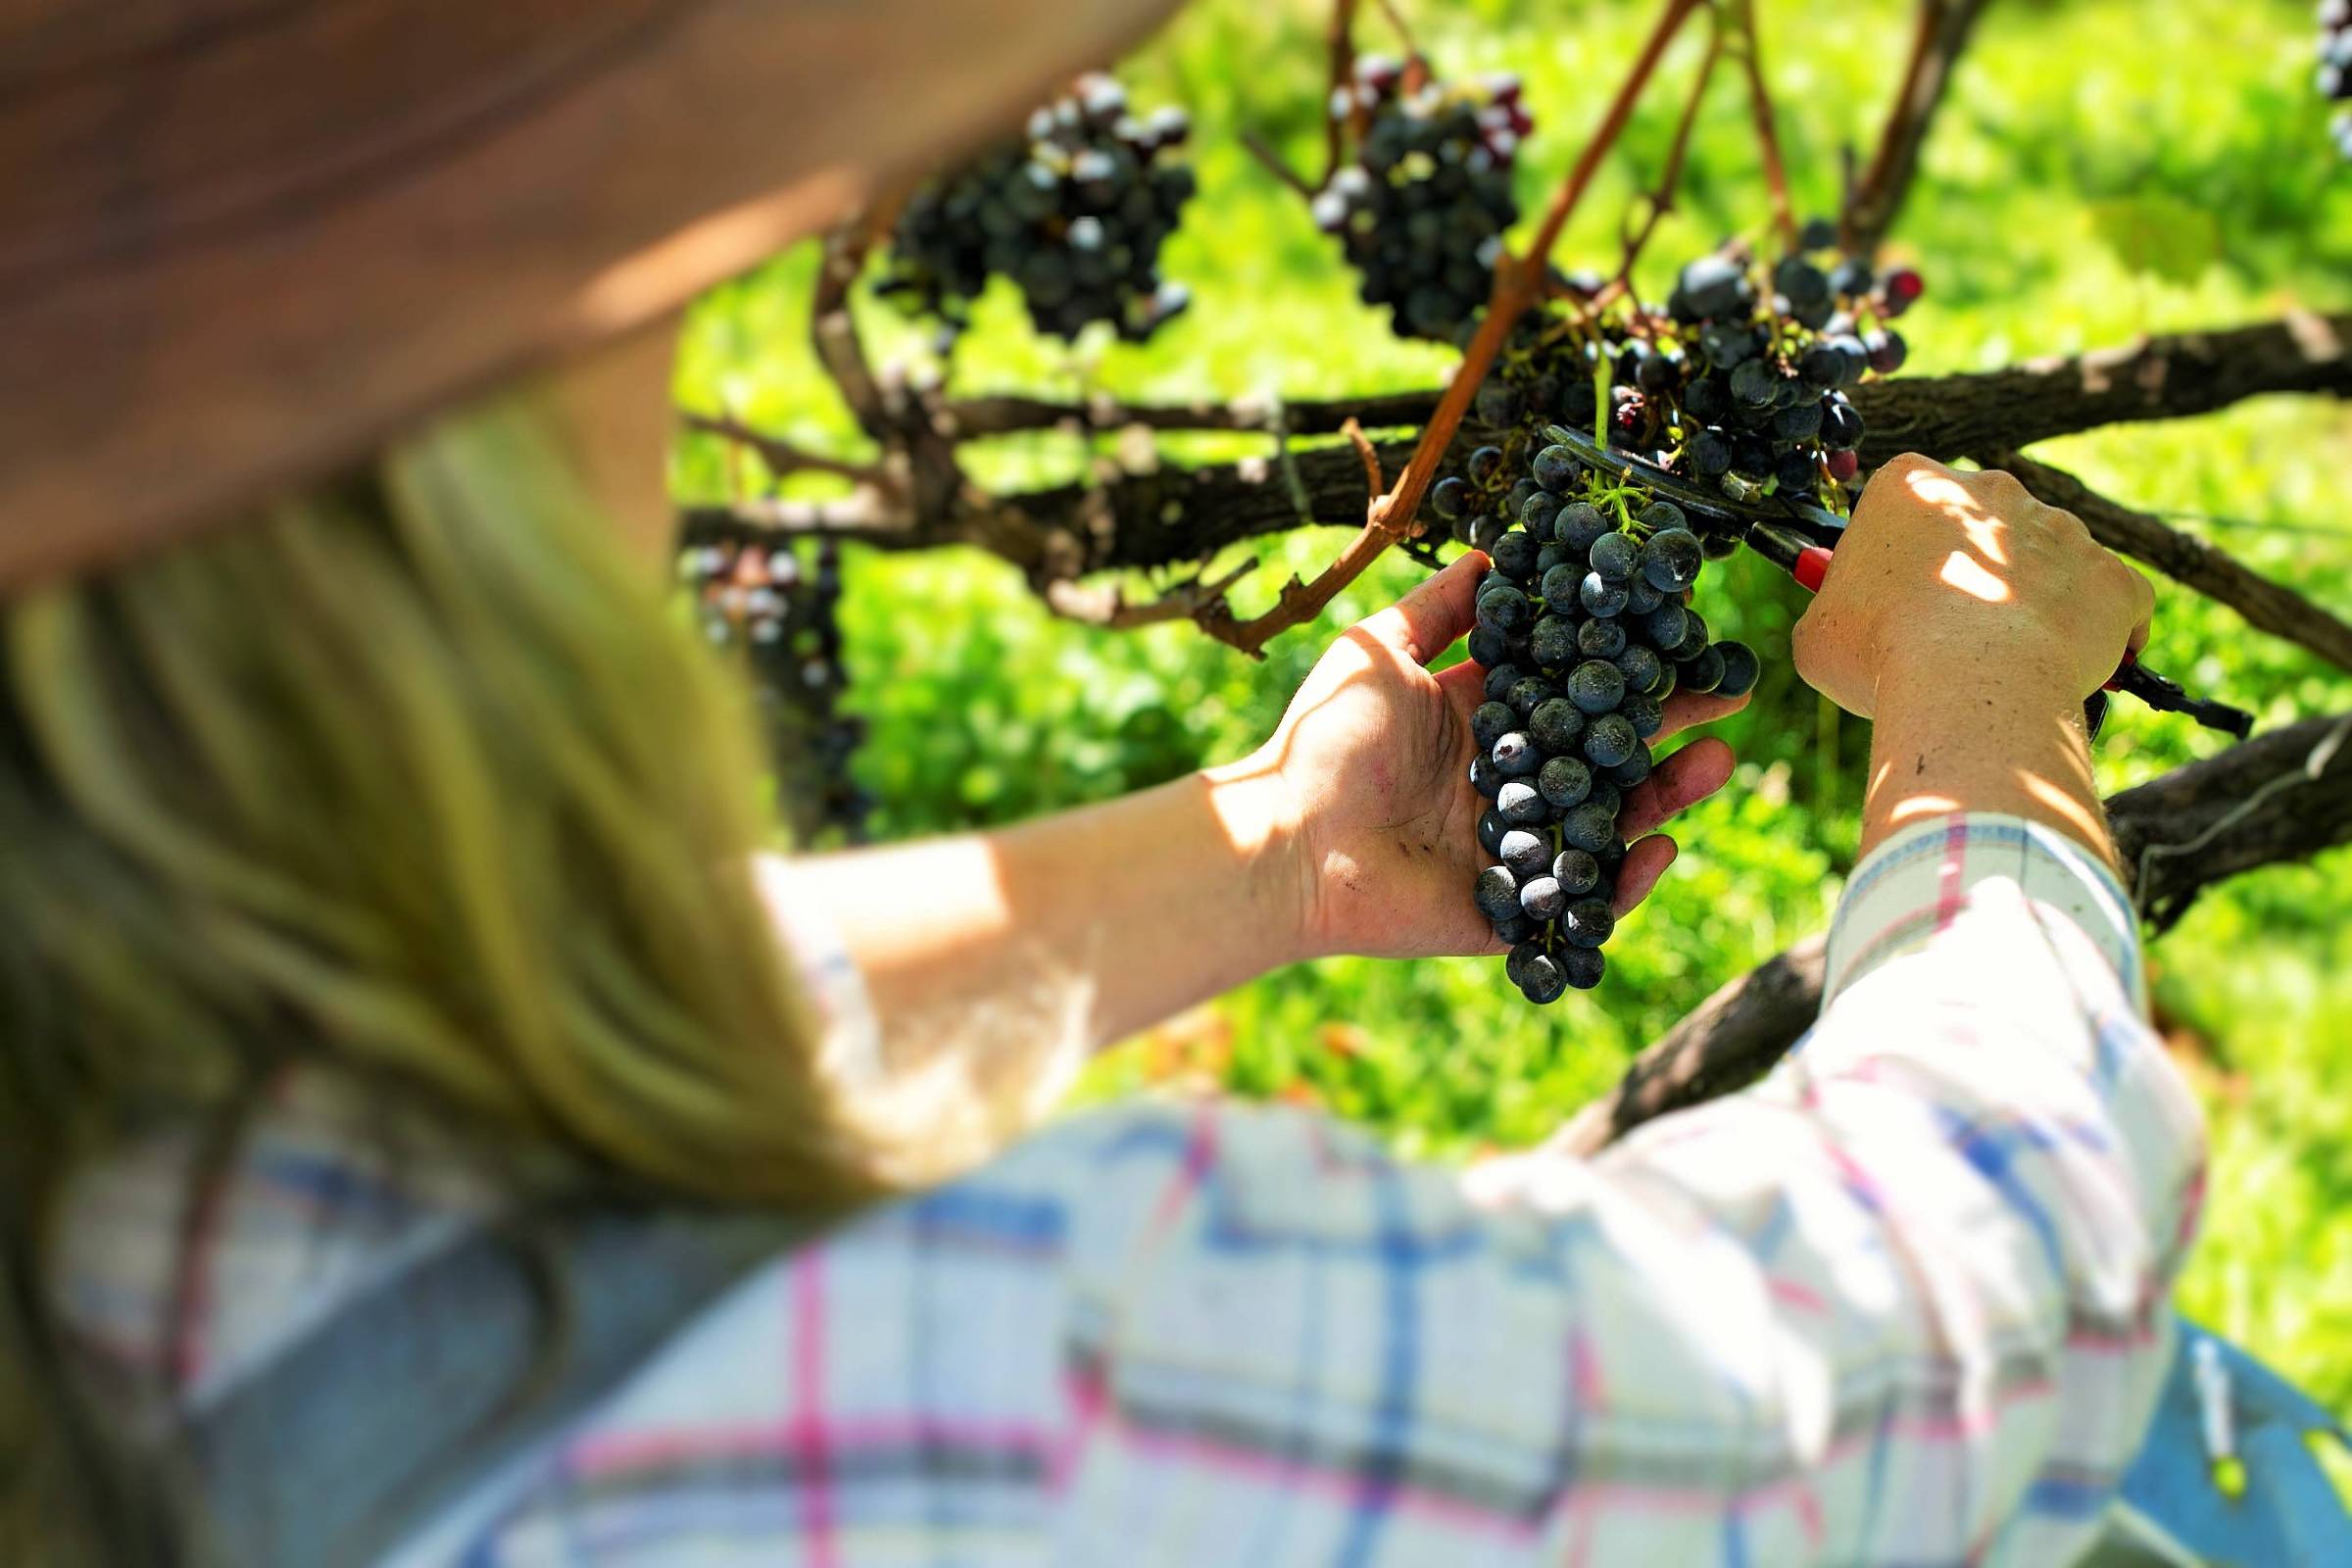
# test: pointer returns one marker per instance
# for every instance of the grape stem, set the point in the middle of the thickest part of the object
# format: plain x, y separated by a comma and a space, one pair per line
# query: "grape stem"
1872, 201
1661, 200
1340, 129
1519, 283
1768, 136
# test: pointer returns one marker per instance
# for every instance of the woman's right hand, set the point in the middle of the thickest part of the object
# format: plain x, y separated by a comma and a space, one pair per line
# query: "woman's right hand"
1969, 574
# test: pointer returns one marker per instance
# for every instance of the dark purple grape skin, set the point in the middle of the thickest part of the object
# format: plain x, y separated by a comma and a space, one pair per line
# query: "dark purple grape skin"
1496, 893
1564, 782
1577, 872
1489, 722
1596, 686
1589, 828
1581, 967
1740, 668
1527, 854
1588, 922
1556, 726
1520, 805
1515, 756
1490, 830
1599, 596
1609, 740
1542, 980
1542, 899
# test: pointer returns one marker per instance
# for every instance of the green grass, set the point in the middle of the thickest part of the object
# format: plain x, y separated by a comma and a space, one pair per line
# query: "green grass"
2103, 169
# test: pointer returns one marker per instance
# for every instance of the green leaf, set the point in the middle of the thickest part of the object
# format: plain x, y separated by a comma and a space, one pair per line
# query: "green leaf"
2159, 237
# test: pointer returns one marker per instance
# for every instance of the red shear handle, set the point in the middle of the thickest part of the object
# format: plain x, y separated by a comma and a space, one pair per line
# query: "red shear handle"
1812, 565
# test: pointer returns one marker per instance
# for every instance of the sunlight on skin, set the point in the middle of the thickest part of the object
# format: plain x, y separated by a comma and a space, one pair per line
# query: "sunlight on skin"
1985, 532
1969, 575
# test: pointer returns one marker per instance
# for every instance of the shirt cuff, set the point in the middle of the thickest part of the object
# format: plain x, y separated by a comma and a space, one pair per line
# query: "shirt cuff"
1918, 881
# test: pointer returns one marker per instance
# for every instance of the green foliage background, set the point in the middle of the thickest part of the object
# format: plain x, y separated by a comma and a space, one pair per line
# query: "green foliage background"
2103, 169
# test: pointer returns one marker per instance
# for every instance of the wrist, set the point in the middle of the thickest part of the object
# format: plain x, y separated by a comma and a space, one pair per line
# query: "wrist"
1261, 822
1968, 673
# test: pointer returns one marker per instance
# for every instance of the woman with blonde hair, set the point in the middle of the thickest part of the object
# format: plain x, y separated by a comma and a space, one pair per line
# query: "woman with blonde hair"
430, 1132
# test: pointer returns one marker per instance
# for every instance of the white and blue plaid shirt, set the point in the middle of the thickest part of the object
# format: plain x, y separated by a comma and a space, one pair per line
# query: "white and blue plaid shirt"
1902, 1302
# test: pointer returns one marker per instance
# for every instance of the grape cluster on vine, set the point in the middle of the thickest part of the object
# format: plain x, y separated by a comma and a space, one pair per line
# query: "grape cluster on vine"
1422, 208
780, 608
1585, 630
2335, 66
1739, 379
1075, 214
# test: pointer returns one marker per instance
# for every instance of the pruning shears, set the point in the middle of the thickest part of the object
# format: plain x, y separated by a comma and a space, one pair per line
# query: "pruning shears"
1799, 537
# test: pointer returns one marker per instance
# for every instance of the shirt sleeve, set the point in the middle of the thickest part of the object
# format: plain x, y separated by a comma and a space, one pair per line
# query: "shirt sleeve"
1904, 1300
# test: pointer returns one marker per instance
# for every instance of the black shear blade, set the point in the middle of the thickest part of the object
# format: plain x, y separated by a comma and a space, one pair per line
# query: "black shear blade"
1707, 503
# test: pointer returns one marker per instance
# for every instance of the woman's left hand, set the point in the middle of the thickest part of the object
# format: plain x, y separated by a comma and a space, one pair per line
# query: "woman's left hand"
1374, 757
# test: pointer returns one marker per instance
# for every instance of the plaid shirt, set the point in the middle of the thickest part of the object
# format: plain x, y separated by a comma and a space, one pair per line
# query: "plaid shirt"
1903, 1301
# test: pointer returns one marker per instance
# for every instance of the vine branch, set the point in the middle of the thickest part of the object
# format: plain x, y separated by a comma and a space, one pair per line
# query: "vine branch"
1768, 136
1873, 201
2298, 780
2267, 606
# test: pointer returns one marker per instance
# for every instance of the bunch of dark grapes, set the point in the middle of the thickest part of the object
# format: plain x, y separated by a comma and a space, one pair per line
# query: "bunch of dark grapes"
1739, 379
1074, 214
1422, 209
2335, 66
780, 609
1584, 629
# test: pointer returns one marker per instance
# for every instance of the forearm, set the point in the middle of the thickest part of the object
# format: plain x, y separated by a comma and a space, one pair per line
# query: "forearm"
1006, 956
1988, 732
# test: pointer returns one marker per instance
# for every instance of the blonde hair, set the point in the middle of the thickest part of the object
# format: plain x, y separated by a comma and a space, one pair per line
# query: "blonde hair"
421, 776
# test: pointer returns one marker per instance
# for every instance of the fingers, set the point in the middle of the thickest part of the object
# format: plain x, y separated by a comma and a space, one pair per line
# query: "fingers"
1690, 776
1465, 687
1645, 861
1425, 622
1686, 708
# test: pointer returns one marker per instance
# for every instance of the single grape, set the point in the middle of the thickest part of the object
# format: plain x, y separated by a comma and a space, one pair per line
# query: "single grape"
1640, 664
1581, 967
1671, 559
1488, 647
1609, 740
1520, 805
1560, 585
1886, 349
1644, 712
1489, 722
1665, 625
1840, 426
1607, 796
1450, 498
1483, 464
1517, 928
1491, 829
1501, 679
1554, 469
1613, 556
1486, 777
1755, 382
1540, 899
1486, 532
1635, 768
1515, 756
1537, 514
1640, 598
1528, 693
1588, 922
1576, 871
1599, 596
1554, 644
1542, 980
1555, 725
1515, 554
1514, 965
1504, 607
1527, 854
1497, 893
1693, 639
1600, 639
1552, 557
1705, 672
1589, 828
1577, 526
1596, 686
1563, 782
1709, 454
1713, 285
1741, 667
